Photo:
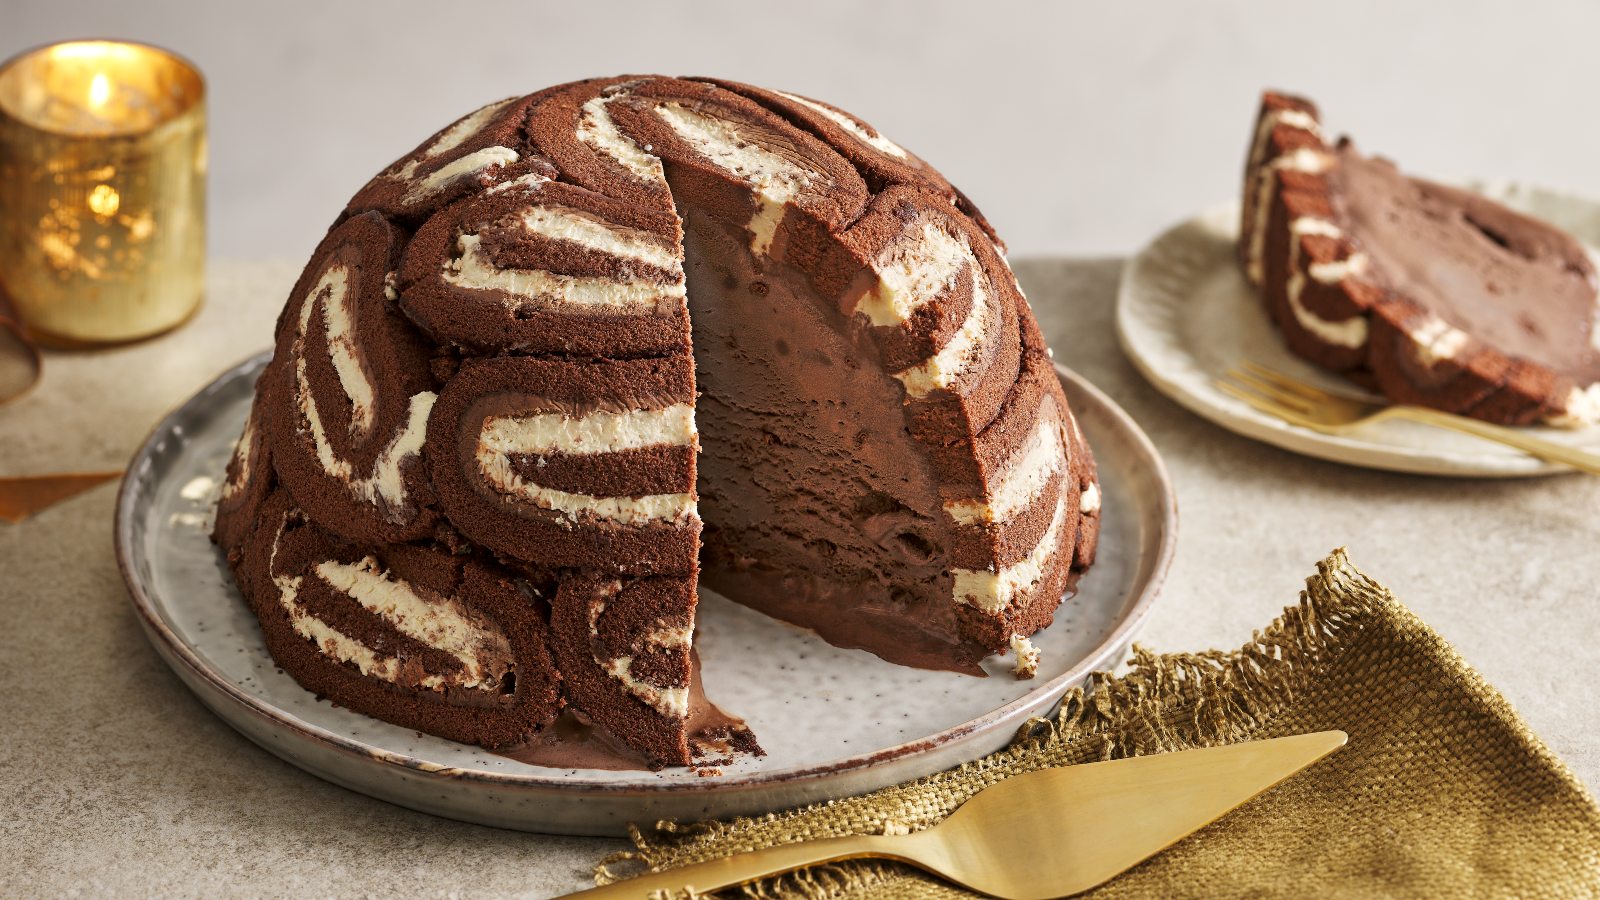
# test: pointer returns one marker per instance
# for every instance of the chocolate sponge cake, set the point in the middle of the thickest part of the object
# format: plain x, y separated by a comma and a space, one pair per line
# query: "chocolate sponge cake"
1434, 295
585, 349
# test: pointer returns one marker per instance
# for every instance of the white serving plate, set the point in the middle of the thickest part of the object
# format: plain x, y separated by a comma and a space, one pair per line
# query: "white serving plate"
1185, 316
834, 722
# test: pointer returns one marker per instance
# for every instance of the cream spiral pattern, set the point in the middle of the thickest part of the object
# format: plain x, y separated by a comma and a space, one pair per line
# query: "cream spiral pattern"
382, 483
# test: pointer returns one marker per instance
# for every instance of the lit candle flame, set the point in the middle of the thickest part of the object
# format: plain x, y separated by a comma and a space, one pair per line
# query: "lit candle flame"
99, 91
104, 200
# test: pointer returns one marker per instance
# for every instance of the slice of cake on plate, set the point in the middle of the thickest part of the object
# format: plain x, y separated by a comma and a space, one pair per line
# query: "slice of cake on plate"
1431, 294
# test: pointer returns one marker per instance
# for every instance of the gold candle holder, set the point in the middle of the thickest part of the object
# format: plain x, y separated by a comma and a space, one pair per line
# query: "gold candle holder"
102, 190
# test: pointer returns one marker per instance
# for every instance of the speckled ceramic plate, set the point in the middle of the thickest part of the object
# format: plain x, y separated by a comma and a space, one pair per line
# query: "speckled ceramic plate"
1186, 315
834, 722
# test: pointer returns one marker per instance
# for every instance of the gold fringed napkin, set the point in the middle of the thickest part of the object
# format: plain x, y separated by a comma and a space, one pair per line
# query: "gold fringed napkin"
1442, 791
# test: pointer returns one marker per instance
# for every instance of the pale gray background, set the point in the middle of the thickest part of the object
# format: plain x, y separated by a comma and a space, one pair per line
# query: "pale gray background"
1078, 127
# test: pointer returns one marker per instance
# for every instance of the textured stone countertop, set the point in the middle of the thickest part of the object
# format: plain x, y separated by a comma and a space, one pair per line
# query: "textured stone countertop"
116, 780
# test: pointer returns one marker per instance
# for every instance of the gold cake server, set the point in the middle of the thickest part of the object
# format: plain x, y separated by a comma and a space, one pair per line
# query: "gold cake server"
1048, 833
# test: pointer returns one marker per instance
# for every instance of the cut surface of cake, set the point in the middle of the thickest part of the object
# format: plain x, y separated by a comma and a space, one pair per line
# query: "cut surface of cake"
1434, 295
584, 350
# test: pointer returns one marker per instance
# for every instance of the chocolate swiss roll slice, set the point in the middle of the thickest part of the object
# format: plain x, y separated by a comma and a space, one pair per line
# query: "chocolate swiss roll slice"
246, 481
625, 648
573, 464
413, 635
480, 149
349, 390
537, 266
1434, 295
940, 304
880, 161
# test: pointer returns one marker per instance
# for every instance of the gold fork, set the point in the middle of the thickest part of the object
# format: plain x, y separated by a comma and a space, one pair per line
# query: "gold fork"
1298, 403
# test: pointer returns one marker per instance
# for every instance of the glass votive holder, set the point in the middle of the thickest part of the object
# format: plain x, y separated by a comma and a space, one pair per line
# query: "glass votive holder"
102, 190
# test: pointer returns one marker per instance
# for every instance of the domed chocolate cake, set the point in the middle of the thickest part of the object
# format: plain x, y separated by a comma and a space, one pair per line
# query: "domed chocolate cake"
585, 348
1434, 295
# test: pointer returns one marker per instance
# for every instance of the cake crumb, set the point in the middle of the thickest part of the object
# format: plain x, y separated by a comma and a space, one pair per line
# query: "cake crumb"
707, 772
1027, 657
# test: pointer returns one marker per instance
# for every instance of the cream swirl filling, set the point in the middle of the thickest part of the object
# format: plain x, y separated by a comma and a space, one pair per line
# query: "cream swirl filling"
1089, 500
672, 702
455, 135
472, 268
1436, 340
994, 591
876, 141
347, 362
597, 129
774, 179
242, 459
1581, 409
1024, 477
1306, 159
1351, 332
1262, 180
385, 483
337, 645
596, 432
438, 622
559, 223
911, 274
474, 162
504, 437
959, 353
498, 473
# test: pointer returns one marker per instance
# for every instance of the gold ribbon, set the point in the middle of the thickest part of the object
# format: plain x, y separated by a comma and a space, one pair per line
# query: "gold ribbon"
24, 495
